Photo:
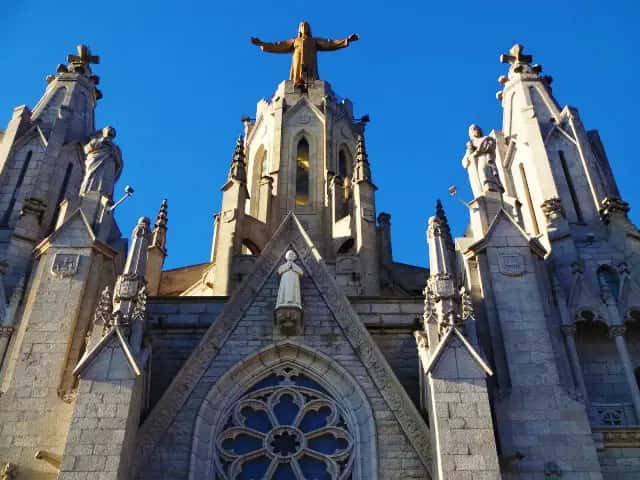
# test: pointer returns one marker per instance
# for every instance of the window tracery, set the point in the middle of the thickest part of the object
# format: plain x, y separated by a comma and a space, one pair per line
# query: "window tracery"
286, 426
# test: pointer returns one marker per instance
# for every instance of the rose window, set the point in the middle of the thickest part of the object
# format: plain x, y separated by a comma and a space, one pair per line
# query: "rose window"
285, 427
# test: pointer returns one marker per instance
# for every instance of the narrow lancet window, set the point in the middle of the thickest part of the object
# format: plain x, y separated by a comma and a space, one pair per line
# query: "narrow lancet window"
572, 189
302, 173
16, 190
344, 163
527, 193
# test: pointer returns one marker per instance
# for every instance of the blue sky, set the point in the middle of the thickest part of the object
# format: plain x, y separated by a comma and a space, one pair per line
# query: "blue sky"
177, 76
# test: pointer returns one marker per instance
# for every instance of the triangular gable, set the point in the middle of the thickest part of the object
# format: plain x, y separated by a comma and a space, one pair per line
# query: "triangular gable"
112, 337
290, 234
501, 222
76, 231
299, 105
452, 334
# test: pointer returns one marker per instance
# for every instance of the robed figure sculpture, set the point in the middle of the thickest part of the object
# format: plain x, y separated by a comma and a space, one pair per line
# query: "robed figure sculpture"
103, 163
304, 65
288, 311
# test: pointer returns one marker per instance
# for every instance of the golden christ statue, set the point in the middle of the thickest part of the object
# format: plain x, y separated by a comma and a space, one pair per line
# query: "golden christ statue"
304, 65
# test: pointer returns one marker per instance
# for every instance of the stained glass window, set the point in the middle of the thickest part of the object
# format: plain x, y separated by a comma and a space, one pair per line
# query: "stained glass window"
286, 426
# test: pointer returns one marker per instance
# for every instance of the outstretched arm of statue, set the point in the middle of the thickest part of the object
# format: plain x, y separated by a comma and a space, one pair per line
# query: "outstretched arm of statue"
325, 44
286, 46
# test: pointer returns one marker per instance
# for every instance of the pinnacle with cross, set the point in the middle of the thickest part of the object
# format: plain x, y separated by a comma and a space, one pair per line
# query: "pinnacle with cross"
520, 63
80, 64
515, 56
84, 56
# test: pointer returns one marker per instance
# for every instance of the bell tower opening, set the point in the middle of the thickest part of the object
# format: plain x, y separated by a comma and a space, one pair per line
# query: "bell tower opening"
302, 173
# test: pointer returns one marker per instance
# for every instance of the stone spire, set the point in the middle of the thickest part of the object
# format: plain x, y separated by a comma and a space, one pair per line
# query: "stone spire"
159, 235
157, 250
361, 168
440, 242
238, 170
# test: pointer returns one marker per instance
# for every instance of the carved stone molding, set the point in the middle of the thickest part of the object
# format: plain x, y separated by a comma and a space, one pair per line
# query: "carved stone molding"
33, 206
553, 209
619, 437
8, 471
613, 206
421, 339
617, 331
6, 331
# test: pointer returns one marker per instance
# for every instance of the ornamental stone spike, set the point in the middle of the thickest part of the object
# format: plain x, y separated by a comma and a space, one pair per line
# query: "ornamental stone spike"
159, 236
440, 242
238, 170
132, 278
137, 256
361, 167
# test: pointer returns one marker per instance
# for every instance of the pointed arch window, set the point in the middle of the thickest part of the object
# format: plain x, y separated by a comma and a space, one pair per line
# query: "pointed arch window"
344, 163
286, 426
302, 172
609, 280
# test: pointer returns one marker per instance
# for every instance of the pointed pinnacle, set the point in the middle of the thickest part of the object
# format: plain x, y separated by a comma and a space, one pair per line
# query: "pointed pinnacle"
162, 219
361, 150
361, 170
440, 211
238, 171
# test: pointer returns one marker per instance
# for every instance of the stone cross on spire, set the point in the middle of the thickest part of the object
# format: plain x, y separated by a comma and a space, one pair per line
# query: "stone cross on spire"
520, 63
80, 64
515, 56
84, 57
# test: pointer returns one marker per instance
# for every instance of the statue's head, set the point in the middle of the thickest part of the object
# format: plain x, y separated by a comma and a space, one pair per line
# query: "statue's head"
109, 132
290, 256
304, 30
475, 131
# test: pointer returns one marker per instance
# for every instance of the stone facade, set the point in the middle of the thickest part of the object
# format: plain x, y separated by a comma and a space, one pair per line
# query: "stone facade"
514, 357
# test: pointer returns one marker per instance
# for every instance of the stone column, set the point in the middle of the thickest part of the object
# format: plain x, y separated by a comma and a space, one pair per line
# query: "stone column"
569, 337
617, 333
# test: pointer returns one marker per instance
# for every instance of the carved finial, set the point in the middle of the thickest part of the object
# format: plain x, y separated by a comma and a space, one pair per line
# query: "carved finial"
159, 238
238, 169
104, 310
361, 168
439, 225
466, 304
520, 63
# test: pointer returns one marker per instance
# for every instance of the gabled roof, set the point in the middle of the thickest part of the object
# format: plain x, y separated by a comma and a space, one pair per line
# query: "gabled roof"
114, 334
290, 234
454, 333
503, 218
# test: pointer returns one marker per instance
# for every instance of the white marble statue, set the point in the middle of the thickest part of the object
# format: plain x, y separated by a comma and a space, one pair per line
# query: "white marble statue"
103, 163
289, 294
480, 162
